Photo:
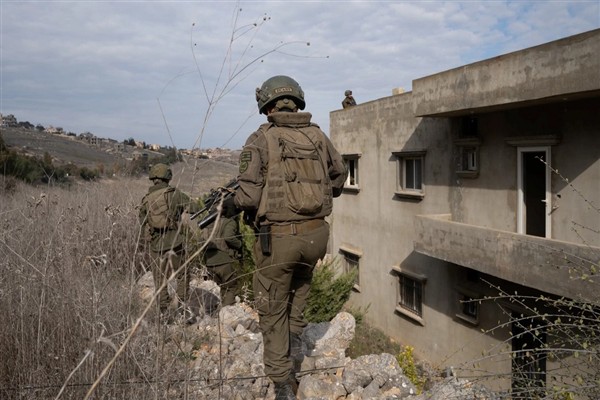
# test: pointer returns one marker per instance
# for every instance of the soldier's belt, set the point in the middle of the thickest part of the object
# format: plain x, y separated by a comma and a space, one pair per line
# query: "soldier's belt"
295, 228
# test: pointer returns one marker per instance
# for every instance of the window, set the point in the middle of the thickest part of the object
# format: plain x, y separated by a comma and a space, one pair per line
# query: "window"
410, 173
468, 157
469, 309
410, 294
469, 127
351, 161
468, 305
350, 263
413, 173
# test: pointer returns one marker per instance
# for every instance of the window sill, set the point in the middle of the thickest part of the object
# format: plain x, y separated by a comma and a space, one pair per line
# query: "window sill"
409, 194
351, 189
408, 314
469, 320
467, 174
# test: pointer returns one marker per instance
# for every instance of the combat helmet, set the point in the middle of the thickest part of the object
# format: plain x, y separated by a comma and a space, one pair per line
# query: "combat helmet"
348, 93
277, 87
161, 171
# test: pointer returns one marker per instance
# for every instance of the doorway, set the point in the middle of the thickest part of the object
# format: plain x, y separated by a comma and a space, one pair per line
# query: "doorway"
534, 191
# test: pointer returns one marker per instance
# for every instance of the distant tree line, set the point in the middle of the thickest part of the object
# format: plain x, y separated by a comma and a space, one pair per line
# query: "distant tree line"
35, 170
39, 170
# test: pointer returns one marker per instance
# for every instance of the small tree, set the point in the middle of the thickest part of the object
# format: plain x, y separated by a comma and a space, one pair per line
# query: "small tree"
328, 293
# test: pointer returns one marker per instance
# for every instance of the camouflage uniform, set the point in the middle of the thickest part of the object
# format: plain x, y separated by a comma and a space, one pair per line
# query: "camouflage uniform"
298, 235
167, 246
348, 100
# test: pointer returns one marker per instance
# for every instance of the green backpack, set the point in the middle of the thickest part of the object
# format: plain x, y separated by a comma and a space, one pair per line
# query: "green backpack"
157, 203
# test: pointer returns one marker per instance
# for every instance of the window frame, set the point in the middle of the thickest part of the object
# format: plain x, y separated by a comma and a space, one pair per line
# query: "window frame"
466, 147
401, 170
415, 313
351, 260
464, 297
353, 173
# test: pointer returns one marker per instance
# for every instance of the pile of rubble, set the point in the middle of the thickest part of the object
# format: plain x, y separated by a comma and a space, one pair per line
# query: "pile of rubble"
226, 352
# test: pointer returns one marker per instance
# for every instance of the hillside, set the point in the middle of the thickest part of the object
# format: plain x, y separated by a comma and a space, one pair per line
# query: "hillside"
198, 176
194, 176
63, 149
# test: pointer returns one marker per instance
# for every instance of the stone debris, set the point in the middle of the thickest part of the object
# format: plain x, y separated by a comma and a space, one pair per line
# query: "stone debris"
226, 348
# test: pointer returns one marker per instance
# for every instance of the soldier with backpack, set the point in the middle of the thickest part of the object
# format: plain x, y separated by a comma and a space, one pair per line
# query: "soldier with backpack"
289, 174
160, 217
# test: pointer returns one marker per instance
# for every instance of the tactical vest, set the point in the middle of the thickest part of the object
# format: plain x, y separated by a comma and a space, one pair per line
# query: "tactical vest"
297, 185
159, 214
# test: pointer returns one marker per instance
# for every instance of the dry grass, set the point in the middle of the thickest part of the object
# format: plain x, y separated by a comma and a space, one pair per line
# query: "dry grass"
69, 260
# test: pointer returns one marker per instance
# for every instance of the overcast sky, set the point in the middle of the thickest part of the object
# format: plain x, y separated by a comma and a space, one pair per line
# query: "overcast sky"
183, 73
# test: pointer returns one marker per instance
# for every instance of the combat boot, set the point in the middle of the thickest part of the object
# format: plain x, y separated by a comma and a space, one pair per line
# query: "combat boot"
284, 391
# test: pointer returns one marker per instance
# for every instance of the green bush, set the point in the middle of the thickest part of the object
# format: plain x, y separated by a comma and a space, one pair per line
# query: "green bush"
328, 293
28, 168
406, 361
247, 266
88, 174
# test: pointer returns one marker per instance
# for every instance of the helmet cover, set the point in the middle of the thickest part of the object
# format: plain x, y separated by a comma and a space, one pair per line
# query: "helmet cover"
278, 87
160, 171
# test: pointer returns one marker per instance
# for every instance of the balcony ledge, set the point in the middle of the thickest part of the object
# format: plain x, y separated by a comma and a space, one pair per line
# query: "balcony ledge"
553, 266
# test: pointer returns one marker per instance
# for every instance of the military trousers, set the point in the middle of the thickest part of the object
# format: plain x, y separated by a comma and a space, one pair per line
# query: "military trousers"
164, 263
281, 284
225, 276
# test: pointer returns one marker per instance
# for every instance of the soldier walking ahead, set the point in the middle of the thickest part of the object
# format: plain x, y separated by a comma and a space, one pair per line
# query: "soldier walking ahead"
289, 173
160, 217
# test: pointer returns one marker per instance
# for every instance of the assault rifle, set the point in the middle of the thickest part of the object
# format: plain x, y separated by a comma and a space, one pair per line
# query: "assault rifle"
213, 198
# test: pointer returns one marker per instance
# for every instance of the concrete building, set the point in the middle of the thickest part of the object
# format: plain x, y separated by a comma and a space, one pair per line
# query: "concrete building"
483, 180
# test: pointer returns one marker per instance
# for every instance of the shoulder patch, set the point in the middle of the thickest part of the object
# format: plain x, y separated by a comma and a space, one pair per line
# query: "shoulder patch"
246, 155
245, 158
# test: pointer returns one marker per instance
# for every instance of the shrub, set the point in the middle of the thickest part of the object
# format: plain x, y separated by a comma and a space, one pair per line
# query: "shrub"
370, 340
328, 293
247, 266
88, 174
29, 169
406, 361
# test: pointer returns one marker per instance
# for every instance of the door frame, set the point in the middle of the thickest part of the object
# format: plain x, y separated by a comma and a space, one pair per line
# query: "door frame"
520, 195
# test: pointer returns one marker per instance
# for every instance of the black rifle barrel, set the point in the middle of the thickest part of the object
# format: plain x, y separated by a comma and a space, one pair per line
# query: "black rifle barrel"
212, 199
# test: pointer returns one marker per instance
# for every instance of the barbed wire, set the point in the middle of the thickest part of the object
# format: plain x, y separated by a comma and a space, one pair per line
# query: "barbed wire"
218, 381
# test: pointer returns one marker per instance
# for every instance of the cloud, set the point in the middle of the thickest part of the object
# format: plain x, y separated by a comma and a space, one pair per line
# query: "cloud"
183, 73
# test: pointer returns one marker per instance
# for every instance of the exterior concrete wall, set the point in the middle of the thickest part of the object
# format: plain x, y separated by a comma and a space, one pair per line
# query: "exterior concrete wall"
558, 68
379, 225
490, 200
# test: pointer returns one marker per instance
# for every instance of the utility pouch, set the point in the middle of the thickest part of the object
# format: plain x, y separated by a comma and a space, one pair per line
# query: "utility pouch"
265, 239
